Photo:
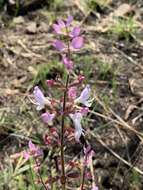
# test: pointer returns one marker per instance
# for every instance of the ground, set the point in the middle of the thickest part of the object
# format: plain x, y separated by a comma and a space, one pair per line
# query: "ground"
112, 62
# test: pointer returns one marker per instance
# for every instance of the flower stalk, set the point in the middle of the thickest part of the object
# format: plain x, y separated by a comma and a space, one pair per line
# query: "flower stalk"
39, 175
63, 177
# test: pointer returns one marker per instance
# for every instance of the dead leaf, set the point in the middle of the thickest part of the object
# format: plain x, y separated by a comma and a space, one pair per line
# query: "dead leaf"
131, 84
11, 92
137, 118
18, 82
129, 111
32, 70
136, 86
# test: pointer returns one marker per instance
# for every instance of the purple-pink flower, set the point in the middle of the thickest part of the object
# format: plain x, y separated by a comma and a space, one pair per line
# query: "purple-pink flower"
68, 63
81, 78
75, 32
40, 99
59, 45
95, 187
84, 96
47, 117
76, 118
77, 42
72, 92
84, 110
33, 151
50, 82
69, 20
26, 155
60, 27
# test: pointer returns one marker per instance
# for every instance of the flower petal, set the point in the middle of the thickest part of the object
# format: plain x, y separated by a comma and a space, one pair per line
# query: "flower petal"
47, 117
78, 133
75, 32
31, 146
95, 188
69, 20
68, 63
72, 92
26, 155
77, 42
59, 45
84, 96
39, 98
61, 24
76, 118
84, 110
57, 28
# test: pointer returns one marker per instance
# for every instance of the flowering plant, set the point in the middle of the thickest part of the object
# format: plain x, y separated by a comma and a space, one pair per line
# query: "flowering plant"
72, 105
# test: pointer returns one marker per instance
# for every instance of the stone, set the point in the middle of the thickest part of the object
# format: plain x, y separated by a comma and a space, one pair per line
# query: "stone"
31, 28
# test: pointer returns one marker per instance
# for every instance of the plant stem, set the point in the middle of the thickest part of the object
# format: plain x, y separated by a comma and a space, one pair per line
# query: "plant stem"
83, 173
63, 177
82, 179
32, 177
40, 177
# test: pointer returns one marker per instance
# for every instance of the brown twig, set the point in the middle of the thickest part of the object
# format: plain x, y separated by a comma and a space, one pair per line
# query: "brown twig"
115, 154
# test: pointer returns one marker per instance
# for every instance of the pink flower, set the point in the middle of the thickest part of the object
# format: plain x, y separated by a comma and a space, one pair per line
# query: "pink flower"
72, 92
87, 150
26, 155
69, 20
95, 187
47, 117
40, 99
68, 63
84, 96
33, 151
81, 78
50, 82
59, 45
60, 27
84, 110
89, 157
77, 42
75, 32
76, 118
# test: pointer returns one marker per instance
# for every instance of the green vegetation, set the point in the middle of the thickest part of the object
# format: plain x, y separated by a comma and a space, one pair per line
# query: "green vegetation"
124, 28
48, 71
97, 4
1, 4
135, 180
56, 4
106, 71
85, 64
